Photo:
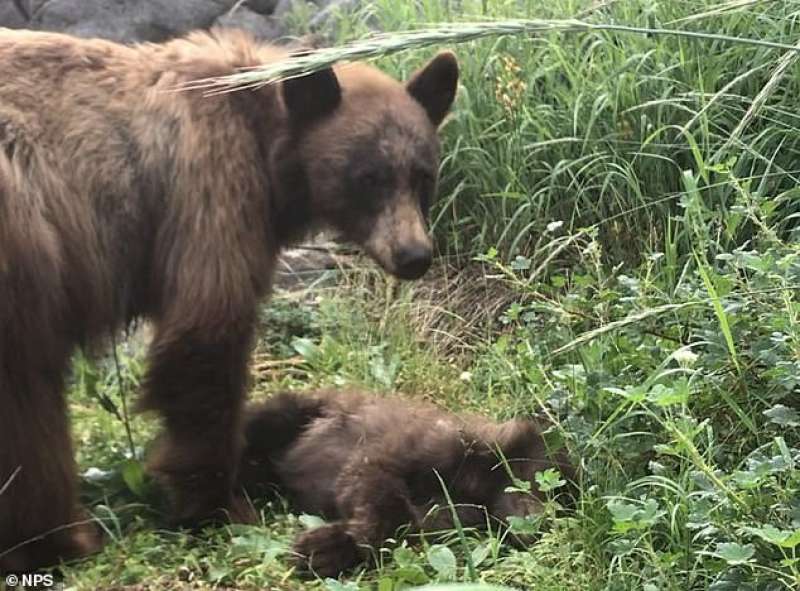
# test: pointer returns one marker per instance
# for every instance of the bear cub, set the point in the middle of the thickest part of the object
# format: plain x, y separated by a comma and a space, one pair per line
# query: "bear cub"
372, 464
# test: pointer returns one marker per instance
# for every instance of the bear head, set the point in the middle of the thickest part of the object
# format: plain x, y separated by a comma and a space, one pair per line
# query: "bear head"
361, 157
504, 461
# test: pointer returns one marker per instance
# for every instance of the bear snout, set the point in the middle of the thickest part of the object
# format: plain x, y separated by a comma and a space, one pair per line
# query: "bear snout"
412, 261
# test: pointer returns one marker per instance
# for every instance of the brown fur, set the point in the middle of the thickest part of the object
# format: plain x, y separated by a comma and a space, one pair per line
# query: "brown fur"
370, 465
121, 198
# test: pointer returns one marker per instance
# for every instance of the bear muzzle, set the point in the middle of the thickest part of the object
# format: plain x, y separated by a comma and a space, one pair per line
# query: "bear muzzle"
399, 241
411, 261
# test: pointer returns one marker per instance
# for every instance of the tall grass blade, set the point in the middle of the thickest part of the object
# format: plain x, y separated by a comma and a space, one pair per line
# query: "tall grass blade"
447, 33
622, 323
719, 311
472, 572
785, 63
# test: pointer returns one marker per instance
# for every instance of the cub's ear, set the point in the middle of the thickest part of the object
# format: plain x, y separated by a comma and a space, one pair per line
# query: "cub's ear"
519, 439
312, 96
434, 86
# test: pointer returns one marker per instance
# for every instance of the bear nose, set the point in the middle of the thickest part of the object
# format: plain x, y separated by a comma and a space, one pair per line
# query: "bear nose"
411, 262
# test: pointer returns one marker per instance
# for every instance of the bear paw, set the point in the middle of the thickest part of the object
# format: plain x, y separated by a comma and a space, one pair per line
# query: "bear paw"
326, 551
65, 545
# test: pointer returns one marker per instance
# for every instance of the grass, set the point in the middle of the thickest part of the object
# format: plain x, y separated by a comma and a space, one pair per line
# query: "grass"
384, 44
621, 211
689, 450
599, 127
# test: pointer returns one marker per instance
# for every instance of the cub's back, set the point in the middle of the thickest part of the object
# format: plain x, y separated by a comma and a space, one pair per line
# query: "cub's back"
398, 433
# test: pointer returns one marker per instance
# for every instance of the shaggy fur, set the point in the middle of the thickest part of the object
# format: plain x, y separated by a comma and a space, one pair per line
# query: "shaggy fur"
122, 198
370, 465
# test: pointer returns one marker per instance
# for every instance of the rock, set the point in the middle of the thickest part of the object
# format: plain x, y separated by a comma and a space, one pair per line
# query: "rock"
11, 16
264, 28
331, 10
31, 6
121, 20
283, 8
311, 264
158, 20
262, 6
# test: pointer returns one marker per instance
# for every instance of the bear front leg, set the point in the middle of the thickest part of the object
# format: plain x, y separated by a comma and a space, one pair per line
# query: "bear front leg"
373, 502
197, 382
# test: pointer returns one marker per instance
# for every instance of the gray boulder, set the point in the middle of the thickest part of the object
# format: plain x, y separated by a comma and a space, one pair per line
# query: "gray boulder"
123, 20
11, 16
261, 6
331, 9
262, 27
157, 20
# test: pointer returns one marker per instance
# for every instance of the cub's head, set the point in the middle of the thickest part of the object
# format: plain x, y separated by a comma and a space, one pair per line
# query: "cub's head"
365, 156
506, 454
523, 452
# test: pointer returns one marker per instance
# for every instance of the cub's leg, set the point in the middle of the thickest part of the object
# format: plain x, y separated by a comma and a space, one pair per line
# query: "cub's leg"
374, 502
270, 428
327, 551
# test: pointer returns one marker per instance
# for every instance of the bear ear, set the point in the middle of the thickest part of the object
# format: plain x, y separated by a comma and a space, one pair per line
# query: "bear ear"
518, 438
312, 96
434, 86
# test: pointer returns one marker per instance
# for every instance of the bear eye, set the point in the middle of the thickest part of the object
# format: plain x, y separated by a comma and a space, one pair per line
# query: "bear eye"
423, 181
372, 179
425, 202
422, 177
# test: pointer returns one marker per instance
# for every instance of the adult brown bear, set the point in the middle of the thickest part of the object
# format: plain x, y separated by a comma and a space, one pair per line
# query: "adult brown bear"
121, 198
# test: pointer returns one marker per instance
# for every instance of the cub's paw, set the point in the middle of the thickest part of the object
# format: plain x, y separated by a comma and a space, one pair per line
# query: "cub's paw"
241, 510
326, 551
200, 509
